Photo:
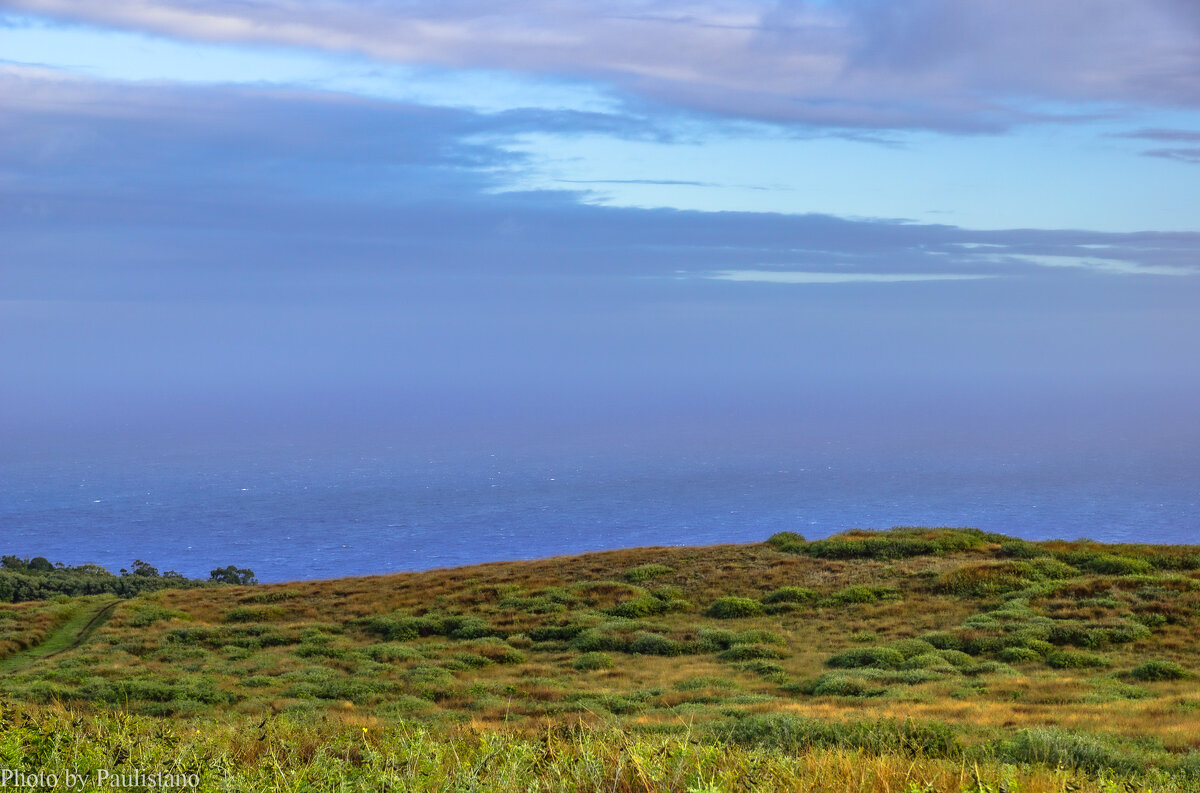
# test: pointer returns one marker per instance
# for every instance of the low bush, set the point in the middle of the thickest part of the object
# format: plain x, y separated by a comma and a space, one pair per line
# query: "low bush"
788, 541
1068, 659
911, 647
656, 644
759, 637
642, 606
877, 657
790, 594
644, 572
943, 641
1019, 655
734, 607
591, 662
861, 594
749, 652
1055, 747
1153, 671
798, 733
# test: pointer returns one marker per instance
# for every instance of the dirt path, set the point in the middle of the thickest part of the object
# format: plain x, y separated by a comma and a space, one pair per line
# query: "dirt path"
73, 633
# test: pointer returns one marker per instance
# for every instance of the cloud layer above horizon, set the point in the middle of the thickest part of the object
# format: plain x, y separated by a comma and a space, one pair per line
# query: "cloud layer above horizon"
194, 249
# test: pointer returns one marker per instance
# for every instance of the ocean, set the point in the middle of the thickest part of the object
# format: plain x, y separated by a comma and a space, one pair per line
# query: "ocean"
291, 514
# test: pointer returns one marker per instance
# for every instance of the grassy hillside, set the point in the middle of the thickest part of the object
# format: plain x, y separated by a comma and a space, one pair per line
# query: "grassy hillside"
922, 659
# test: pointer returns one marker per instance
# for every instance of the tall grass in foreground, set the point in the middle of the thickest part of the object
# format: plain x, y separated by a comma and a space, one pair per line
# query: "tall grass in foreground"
349, 753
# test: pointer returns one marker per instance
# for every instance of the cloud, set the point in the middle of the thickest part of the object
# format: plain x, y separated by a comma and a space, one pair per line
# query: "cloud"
1188, 154
863, 64
803, 277
173, 183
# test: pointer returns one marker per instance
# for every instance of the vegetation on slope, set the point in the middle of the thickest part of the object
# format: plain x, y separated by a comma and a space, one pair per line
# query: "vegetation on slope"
939, 650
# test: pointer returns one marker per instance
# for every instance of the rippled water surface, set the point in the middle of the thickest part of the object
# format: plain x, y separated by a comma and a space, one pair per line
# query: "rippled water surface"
291, 516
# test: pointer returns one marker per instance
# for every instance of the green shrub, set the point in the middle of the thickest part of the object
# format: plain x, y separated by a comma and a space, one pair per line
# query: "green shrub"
593, 640
932, 661
749, 652
655, 644
273, 596
957, 658
788, 541
466, 628
1068, 659
911, 647
150, 613
390, 653
835, 684
554, 633
644, 572
734, 607
790, 594
713, 639
997, 578
642, 606
759, 637
1019, 655
1055, 747
591, 662
1020, 549
766, 669
798, 733
1152, 671
943, 641
861, 594
253, 614
499, 652
1112, 564
878, 657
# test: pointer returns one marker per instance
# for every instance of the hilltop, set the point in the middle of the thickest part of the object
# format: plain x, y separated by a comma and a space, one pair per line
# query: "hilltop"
937, 657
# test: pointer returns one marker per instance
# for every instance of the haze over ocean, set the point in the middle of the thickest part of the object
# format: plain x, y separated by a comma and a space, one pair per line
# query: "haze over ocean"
335, 288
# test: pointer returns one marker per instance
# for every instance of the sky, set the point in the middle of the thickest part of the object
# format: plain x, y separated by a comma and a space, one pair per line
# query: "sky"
615, 223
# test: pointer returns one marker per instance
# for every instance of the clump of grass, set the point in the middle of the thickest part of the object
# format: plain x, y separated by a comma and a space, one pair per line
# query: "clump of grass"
1019, 655
1070, 659
1107, 563
656, 644
861, 594
878, 657
997, 578
788, 541
642, 606
645, 572
734, 607
254, 614
899, 543
836, 684
797, 733
591, 662
1056, 747
790, 594
911, 647
1152, 671
750, 652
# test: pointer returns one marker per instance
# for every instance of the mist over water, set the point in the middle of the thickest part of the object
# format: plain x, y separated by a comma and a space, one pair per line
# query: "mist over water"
352, 506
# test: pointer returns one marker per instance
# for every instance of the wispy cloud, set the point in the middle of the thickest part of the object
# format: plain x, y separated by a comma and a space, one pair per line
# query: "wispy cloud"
864, 64
805, 277
1188, 154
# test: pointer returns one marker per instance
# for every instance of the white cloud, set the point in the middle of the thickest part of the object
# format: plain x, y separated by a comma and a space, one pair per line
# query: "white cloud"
801, 277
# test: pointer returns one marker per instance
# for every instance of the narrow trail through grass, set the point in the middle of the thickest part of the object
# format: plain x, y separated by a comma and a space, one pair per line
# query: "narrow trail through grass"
74, 633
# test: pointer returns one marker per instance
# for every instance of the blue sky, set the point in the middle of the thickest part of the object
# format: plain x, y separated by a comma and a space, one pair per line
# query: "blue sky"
465, 216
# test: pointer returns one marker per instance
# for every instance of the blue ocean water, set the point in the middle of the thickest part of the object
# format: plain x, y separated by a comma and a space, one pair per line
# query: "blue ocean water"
295, 516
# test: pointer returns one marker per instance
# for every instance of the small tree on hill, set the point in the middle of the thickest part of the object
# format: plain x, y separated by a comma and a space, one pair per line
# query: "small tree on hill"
233, 575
